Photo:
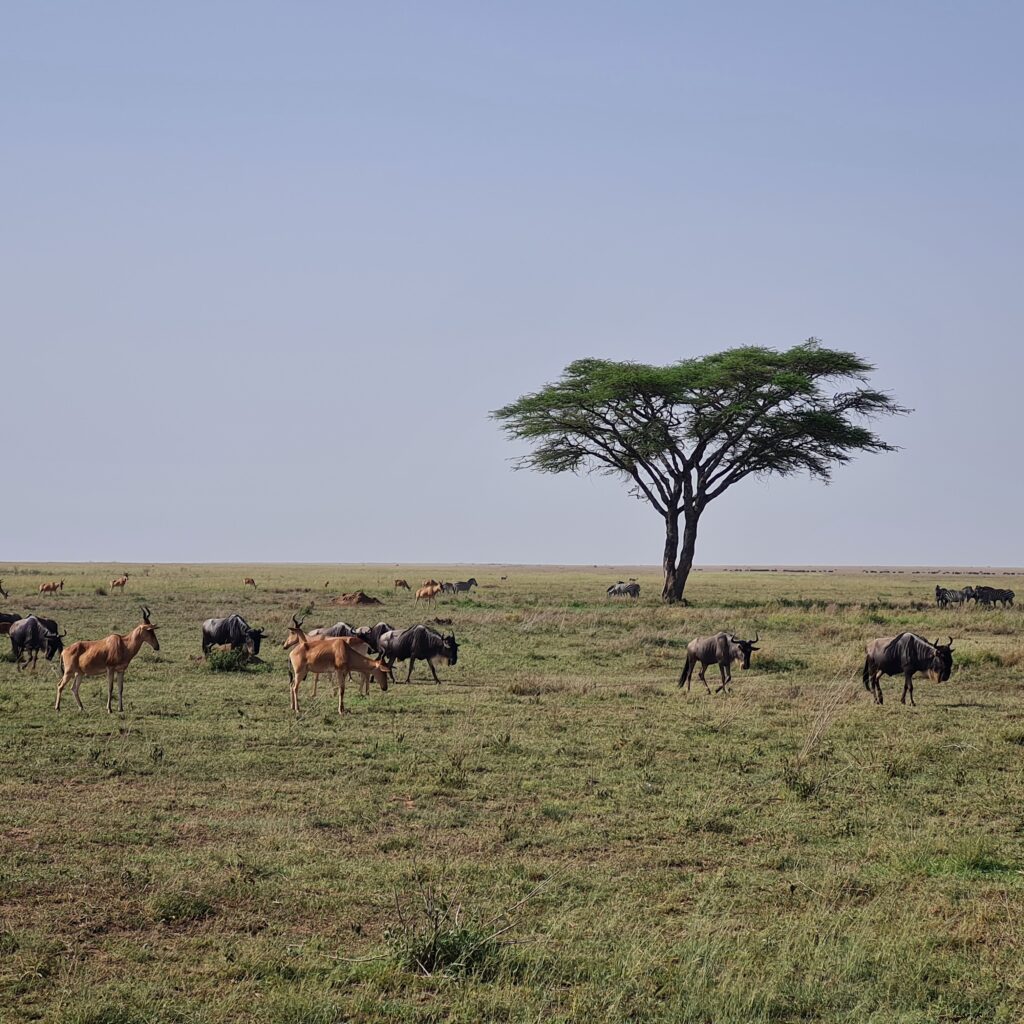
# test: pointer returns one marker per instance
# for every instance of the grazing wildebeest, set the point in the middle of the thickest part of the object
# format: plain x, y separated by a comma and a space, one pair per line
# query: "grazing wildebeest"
111, 655
248, 582
905, 653
51, 587
401, 585
621, 589
722, 650
232, 630
419, 643
464, 586
7, 619
34, 634
329, 654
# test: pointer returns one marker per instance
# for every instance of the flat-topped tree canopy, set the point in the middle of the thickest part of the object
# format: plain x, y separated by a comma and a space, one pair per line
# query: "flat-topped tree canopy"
683, 434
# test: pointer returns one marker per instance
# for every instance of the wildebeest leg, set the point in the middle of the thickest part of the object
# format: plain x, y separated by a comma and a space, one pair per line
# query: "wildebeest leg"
412, 661
432, 672
908, 688
726, 678
703, 669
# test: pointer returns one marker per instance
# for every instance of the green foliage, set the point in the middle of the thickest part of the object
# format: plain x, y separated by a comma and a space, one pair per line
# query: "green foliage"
235, 661
181, 907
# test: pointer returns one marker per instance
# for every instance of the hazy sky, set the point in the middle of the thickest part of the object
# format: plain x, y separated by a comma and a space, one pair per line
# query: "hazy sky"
267, 267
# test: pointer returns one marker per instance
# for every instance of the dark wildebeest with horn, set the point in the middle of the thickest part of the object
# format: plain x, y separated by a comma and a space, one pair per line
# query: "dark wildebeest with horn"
232, 630
7, 619
419, 643
722, 650
906, 654
33, 634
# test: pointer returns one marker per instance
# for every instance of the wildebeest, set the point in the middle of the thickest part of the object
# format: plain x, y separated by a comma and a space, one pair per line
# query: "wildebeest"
419, 643
7, 619
621, 589
329, 654
111, 655
722, 650
232, 630
51, 588
905, 653
463, 586
34, 634
248, 582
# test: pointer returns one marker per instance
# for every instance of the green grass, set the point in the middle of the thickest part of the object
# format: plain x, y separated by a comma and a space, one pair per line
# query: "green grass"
556, 833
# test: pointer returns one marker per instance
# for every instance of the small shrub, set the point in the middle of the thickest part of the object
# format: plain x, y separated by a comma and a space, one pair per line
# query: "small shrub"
235, 661
773, 665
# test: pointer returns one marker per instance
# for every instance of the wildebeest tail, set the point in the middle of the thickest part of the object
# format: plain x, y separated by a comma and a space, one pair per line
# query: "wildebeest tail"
686, 673
867, 674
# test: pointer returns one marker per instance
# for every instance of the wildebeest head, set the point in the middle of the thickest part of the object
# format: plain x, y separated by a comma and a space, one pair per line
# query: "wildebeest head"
149, 630
53, 643
451, 648
252, 640
747, 647
941, 665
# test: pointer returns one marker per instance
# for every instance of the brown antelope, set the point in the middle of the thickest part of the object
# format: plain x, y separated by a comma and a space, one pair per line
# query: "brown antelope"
401, 585
428, 593
3, 593
121, 581
51, 588
248, 582
430, 583
337, 654
111, 655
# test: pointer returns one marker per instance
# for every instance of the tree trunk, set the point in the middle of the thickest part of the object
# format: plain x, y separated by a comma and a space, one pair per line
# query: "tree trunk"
678, 561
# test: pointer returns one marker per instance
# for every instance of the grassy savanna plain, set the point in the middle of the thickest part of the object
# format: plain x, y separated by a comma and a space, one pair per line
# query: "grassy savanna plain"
556, 833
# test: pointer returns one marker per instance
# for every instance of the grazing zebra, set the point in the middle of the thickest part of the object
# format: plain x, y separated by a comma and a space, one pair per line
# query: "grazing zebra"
993, 596
464, 586
447, 588
621, 589
944, 597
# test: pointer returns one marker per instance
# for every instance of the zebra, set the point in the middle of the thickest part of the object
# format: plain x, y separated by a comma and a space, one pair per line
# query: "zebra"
464, 586
945, 597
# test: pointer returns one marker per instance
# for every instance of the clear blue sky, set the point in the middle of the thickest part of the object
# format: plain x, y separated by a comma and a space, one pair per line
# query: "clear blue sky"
267, 267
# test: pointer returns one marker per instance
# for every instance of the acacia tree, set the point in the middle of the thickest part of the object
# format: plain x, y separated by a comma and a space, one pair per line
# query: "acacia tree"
683, 434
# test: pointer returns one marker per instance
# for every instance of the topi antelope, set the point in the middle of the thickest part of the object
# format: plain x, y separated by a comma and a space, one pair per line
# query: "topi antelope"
51, 588
248, 582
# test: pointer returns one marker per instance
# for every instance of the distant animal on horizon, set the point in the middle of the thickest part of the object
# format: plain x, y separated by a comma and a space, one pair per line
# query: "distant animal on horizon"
722, 650
51, 588
233, 630
621, 589
31, 635
248, 582
906, 654
401, 585
121, 581
111, 655
419, 643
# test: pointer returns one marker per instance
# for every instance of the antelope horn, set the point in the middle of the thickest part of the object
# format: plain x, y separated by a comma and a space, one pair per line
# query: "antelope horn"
145, 615
298, 625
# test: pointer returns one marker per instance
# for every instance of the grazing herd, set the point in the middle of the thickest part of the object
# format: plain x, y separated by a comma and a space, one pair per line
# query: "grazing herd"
371, 652
989, 596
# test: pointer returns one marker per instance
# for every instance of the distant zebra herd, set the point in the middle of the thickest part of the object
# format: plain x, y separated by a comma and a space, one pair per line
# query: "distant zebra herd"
945, 598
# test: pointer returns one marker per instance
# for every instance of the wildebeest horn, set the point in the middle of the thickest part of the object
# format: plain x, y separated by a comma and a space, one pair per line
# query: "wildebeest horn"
65, 633
757, 636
